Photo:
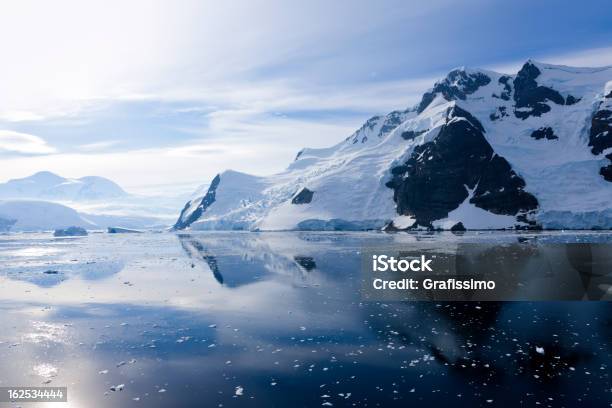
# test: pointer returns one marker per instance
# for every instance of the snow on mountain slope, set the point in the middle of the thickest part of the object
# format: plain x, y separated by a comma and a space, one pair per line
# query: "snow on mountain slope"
29, 215
49, 186
103, 202
482, 149
40, 216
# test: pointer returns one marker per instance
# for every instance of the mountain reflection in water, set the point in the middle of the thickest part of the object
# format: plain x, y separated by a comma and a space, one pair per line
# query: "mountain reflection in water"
190, 319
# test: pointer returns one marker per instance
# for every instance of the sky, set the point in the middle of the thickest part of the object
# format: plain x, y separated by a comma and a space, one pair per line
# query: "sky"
159, 96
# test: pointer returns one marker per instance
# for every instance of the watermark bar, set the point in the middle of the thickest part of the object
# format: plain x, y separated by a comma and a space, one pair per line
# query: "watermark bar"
488, 272
33, 394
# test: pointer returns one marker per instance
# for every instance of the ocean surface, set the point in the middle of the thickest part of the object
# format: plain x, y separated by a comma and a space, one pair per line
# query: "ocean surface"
279, 320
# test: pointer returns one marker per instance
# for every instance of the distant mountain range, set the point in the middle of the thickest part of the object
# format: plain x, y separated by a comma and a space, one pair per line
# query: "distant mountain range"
481, 150
27, 215
46, 201
45, 185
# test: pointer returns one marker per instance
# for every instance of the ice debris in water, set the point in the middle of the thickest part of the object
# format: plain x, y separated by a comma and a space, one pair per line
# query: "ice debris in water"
539, 350
117, 387
239, 391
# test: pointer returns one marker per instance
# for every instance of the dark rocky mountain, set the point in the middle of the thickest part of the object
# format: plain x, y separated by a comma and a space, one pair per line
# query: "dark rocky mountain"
459, 164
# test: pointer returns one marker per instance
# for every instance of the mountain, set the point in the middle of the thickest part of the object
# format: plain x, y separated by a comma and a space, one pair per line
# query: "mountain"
49, 186
100, 202
481, 150
29, 215
39, 216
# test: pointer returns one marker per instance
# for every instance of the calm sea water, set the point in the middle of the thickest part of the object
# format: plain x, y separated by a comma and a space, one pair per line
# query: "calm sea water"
278, 319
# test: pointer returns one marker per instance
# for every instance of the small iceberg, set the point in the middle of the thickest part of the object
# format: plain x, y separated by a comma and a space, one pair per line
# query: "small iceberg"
70, 232
119, 230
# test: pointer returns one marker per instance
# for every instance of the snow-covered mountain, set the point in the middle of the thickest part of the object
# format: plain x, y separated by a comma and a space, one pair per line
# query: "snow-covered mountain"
30, 215
39, 216
45, 185
482, 150
97, 202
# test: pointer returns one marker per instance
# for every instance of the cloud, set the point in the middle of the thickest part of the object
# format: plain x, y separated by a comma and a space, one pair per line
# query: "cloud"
195, 89
97, 146
153, 49
593, 57
250, 143
23, 143
200, 150
259, 54
20, 116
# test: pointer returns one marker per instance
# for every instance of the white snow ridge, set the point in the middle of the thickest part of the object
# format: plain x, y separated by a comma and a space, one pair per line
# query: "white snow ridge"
482, 150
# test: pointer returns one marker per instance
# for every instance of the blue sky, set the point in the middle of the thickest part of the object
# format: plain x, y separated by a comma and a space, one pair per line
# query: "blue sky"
159, 94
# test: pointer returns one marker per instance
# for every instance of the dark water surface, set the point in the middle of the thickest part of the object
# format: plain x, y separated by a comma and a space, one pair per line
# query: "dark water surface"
278, 319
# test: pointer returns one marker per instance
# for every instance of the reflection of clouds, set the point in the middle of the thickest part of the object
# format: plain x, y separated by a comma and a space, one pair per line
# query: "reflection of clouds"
262, 273
162, 270
47, 262
34, 252
52, 273
45, 370
44, 332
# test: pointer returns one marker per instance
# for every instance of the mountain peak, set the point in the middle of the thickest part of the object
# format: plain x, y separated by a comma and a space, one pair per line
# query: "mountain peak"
540, 64
45, 175
456, 85
50, 186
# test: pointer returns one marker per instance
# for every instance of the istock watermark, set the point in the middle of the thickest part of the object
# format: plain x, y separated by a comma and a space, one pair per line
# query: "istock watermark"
488, 272
382, 263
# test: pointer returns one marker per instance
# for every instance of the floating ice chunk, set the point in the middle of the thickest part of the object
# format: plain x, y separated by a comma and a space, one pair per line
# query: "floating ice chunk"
119, 387
539, 350
45, 370
239, 391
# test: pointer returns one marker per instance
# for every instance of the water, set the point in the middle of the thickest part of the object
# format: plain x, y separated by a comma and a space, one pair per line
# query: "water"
278, 319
